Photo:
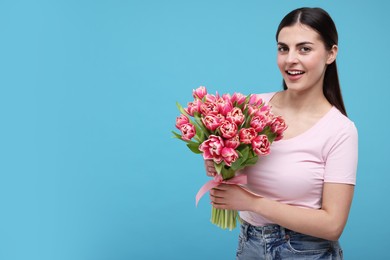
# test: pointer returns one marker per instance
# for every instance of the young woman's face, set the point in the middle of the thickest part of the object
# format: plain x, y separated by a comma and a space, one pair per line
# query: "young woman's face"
302, 57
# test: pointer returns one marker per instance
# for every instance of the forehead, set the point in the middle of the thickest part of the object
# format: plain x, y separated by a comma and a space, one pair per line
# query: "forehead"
298, 33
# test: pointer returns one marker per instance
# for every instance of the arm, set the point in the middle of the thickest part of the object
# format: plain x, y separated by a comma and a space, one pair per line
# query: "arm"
327, 222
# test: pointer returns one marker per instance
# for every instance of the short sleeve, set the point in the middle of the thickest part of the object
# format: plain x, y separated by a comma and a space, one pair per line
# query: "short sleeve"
342, 159
266, 97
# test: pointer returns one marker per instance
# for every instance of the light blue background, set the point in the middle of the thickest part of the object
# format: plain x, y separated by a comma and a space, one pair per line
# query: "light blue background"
88, 168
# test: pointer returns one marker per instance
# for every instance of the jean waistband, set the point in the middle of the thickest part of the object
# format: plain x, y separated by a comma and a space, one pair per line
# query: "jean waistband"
267, 231
274, 231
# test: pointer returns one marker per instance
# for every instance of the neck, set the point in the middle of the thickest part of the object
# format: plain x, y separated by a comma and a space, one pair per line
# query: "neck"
304, 101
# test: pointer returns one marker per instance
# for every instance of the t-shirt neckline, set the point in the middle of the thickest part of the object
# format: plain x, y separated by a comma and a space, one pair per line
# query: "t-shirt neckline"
311, 129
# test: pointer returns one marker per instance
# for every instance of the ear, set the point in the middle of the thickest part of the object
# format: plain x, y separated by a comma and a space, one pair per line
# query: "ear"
332, 54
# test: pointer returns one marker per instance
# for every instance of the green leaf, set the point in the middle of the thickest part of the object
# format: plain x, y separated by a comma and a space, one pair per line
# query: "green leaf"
198, 120
181, 109
194, 147
271, 137
227, 172
201, 131
244, 152
218, 167
251, 161
176, 135
237, 164
248, 98
198, 133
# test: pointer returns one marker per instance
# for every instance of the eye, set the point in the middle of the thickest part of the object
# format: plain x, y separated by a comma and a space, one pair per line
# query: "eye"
282, 48
305, 49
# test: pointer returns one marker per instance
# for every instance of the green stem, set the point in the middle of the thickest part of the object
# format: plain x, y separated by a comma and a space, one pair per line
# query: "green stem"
224, 218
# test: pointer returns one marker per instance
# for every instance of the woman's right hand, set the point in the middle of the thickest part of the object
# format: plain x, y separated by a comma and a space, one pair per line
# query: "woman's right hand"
210, 168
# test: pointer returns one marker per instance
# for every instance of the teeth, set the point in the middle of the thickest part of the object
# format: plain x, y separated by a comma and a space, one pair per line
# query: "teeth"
294, 72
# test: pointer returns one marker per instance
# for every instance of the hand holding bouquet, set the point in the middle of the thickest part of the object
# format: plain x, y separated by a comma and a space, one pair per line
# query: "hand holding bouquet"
232, 130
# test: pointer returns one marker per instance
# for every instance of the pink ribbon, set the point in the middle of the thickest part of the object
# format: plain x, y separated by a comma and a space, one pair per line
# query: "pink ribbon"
239, 179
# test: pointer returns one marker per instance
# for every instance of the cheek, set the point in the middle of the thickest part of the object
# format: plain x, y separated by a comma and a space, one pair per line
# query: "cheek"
280, 62
315, 63
316, 69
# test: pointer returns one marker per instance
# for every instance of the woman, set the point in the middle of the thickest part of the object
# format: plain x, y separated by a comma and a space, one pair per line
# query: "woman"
302, 191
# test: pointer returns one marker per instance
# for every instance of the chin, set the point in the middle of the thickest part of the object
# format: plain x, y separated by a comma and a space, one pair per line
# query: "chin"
297, 88
294, 86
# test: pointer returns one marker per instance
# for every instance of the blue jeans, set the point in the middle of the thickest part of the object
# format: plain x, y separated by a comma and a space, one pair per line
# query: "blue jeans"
275, 242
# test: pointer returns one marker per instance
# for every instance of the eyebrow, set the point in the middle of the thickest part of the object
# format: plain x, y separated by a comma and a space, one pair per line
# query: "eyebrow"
298, 44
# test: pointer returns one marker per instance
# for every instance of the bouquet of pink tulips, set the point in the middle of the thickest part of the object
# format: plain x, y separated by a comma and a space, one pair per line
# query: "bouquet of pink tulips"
232, 130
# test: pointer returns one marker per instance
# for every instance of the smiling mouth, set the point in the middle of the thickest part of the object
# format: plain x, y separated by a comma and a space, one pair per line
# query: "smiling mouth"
294, 72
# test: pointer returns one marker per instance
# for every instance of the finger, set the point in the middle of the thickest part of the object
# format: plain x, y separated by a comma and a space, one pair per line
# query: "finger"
217, 200
213, 193
219, 205
210, 169
209, 162
211, 172
223, 187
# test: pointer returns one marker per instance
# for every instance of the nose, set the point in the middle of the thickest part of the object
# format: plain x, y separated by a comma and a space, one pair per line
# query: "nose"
292, 57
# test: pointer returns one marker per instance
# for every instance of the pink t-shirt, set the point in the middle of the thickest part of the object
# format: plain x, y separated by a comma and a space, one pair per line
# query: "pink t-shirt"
296, 169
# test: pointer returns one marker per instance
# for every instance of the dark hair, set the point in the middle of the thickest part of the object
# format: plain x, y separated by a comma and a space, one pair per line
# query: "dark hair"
320, 21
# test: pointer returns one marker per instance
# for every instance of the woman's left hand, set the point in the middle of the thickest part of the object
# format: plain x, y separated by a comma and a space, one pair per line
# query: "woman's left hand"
229, 196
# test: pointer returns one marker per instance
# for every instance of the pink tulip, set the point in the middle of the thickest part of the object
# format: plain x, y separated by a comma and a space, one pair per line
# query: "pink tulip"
265, 113
261, 145
224, 106
181, 120
207, 108
193, 107
233, 142
188, 131
256, 100
238, 98
278, 126
236, 116
228, 129
211, 98
229, 155
265, 108
199, 93
247, 135
212, 148
220, 117
227, 97
258, 122
252, 110
211, 122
